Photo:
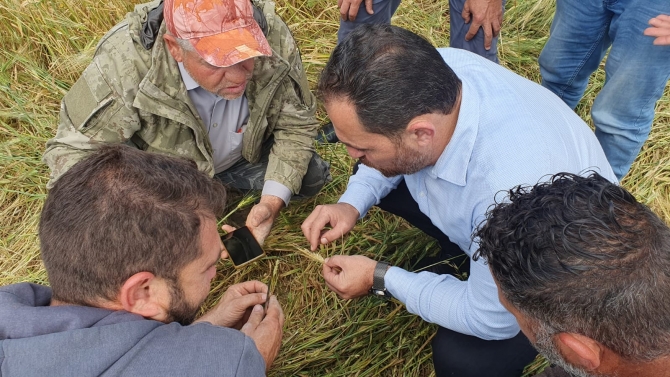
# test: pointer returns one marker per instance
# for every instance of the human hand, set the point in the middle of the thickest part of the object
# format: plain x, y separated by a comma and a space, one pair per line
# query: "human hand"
660, 28
266, 331
341, 216
349, 8
487, 14
349, 276
234, 308
262, 216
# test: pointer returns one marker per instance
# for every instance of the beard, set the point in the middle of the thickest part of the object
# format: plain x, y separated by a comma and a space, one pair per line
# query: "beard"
408, 161
544, 343
181, 311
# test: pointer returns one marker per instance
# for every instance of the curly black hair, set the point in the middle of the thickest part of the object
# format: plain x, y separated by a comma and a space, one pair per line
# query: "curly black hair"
580, 254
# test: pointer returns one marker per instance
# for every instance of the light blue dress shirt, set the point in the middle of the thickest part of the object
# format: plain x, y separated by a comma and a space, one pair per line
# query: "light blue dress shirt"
510, 131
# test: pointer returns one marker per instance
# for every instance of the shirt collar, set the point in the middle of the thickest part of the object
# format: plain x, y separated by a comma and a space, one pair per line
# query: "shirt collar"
453, 163
186, 78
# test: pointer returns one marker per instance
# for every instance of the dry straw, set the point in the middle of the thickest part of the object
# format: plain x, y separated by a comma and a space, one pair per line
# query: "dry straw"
46, 44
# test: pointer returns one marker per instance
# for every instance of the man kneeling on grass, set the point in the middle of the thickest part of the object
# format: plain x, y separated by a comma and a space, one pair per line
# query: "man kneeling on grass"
585, 270
130, 244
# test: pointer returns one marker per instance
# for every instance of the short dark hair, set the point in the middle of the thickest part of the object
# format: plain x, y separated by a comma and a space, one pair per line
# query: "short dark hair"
121, 211
581, 255
391, 76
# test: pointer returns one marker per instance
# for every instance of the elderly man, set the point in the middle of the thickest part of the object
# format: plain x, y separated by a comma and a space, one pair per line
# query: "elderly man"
584, 268
217, 81
130, 244
446, 129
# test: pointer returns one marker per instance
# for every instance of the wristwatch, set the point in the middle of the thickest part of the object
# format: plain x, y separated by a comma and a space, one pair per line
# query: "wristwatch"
378, 288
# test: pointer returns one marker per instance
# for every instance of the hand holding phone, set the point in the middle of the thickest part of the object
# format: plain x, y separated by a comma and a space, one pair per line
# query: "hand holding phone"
242, 247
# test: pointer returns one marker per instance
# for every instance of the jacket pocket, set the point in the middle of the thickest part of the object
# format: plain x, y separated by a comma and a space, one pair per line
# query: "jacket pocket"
97, 117
89, 104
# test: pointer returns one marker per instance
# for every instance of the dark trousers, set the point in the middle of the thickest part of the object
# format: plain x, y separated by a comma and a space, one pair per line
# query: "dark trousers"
246, 176
456, 354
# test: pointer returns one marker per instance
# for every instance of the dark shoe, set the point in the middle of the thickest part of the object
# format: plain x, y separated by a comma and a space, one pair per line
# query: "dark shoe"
327, 134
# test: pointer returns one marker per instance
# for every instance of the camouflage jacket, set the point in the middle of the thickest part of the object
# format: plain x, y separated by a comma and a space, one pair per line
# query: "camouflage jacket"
134, 95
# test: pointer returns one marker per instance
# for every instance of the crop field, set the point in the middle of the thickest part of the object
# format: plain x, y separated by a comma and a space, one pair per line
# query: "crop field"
45, 45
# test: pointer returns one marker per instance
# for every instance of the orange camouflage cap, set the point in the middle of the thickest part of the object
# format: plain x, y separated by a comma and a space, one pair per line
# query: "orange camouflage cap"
223, 32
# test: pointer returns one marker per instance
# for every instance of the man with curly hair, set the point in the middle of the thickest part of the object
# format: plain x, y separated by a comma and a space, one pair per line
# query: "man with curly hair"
584, 268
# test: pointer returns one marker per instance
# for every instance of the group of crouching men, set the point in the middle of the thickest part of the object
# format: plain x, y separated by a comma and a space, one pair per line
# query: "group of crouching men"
183, 98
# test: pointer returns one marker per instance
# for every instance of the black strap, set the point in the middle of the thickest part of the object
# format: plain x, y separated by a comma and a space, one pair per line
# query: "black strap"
151, 26
260, 19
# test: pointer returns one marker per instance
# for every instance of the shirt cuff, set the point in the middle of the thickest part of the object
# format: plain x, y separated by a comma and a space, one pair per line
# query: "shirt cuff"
397, 281
359, 198
277, 189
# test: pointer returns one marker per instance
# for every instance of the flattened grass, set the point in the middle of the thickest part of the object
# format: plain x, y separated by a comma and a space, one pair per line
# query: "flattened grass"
46, 45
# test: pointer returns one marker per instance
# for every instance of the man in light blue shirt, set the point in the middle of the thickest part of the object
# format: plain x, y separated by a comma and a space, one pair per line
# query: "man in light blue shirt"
455, 134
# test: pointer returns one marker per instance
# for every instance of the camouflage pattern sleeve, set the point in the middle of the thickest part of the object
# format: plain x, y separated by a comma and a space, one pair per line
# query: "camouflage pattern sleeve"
91, 113
296, 124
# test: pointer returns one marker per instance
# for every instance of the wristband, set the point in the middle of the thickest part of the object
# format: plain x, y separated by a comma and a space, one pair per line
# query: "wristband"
378, 288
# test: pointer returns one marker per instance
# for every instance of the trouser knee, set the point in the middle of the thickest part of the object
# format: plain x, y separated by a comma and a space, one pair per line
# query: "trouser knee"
459, 355
318, 174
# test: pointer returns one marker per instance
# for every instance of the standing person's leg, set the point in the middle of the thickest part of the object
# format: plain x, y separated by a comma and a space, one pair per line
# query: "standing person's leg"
458, 29
636, 74
577, 43
383, 11
456, 354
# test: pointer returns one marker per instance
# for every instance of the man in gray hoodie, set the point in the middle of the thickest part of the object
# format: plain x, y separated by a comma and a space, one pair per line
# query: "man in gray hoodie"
130, 243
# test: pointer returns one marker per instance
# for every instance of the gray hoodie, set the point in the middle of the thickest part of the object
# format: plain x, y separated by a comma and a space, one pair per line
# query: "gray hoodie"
41, 340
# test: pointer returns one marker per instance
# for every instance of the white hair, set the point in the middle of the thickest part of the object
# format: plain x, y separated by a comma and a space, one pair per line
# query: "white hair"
185, 44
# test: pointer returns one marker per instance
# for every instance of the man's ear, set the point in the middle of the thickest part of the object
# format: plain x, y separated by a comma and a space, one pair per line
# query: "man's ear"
173, 47
146, 295
422, 132
580, 350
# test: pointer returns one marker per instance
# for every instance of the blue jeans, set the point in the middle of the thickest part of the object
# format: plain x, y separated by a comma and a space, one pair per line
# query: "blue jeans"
384, 10
636, 70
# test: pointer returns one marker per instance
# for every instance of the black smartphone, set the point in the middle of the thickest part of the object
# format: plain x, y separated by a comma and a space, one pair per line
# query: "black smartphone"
242, 247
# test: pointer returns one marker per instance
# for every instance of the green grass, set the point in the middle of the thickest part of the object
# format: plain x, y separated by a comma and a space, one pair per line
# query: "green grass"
46, 44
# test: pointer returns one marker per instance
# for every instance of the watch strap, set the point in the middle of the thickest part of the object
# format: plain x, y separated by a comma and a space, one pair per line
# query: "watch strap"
378, 286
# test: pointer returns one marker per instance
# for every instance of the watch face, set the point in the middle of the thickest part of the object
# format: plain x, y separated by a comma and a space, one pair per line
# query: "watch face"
381, 293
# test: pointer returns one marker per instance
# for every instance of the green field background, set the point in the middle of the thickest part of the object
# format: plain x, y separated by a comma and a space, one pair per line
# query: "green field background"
44, 46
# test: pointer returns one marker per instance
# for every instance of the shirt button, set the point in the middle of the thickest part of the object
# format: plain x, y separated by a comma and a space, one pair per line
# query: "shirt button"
215, 125
422, 194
